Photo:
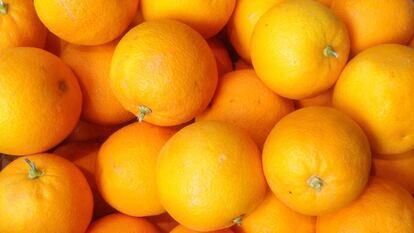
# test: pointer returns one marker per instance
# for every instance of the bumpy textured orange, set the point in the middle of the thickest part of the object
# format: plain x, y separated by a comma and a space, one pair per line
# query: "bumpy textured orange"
164, 72
164, 222
83, 155
223, 60
40, 98
90, 22
323, 99
209, 175
182, 229
125, 169
273, 216
372, 22
317, 160
384, 207
243, 100
48, 196
122, 223
207, 17
92, 66
299, 48
376, 89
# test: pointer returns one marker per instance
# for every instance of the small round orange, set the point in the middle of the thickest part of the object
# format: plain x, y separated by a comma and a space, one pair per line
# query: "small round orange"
317, 160
323, 99
91, 22
88, 132
272, 216
209, 174
121, 223
207, 17
125, 169
40, 101
92, 64
243, 100
164, 80
299, 48
164, 222
44, 193
182, 229
375, 89
384, 207
372, 22
223, 60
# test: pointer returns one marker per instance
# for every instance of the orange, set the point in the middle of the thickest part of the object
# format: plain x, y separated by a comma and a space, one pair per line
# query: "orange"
273, 216
83, 155
92, 66
164, 80
317, 160
223, 60
207, 17
299, 48
44, 193
40, 98
243, 21
400, 170
209, 174
182, 229
19, 25
383, 208
91, 22
375, 89
85, 131
126, 169
121, 223
164, 222
327, 3
243, 100
242, 65
54, 44
323, 99
372, 22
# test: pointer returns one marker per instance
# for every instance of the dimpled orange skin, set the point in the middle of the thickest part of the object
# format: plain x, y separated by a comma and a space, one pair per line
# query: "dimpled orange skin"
91, 22
317, 146
323, 99
122, 223
20, 26
223, 60
384, 207
207, 17
92, 66
243, 21
375, 89
372, 22
125, 169
40, 98
182, 229
243, 100
83, 155
299, 48
272, 216
174, 75
33, 204
215, 172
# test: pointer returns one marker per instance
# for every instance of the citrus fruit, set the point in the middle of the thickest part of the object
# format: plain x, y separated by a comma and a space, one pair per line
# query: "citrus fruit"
182, 229
323, 99
223, 60
164, 222
121, 223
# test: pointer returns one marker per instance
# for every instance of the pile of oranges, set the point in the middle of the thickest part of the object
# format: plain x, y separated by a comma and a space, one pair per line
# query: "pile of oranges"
247, 116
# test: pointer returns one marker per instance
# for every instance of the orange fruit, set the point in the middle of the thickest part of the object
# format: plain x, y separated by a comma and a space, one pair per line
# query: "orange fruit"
375, 89
242, 65
182, 229
327, 3
384, 207
92, 66
54, 44
317, 160
121, 223
19, 25
164, 222
91, 22
400, 170
215, 173
372, 22
40, 98
273, 216
44, 193
207, 17
299, 48
223, 60
85, 131
323, 99
126, 169
243, 100
243, 21
83, 155
169, 79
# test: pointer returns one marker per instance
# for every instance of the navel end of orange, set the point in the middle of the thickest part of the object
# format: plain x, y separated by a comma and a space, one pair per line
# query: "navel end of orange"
328, 51
238, 220
142, 112
316, 183
34, 172
3, 7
